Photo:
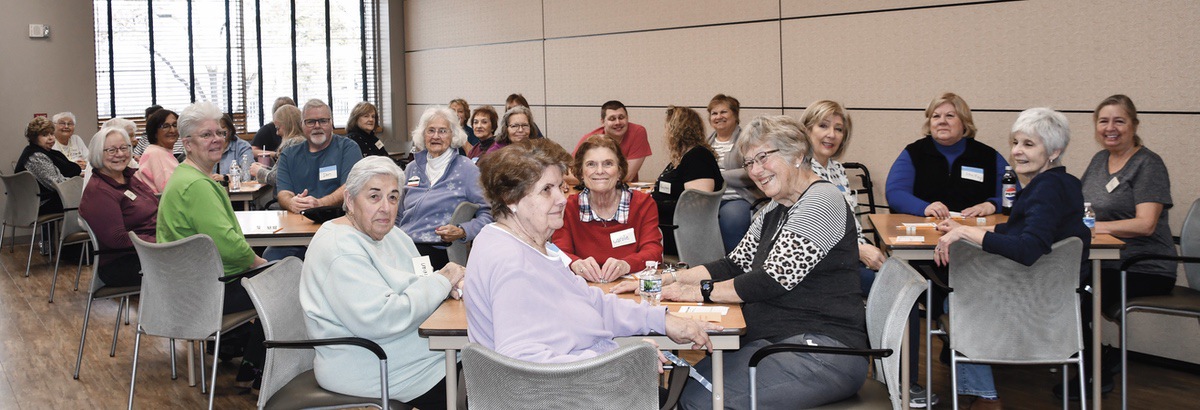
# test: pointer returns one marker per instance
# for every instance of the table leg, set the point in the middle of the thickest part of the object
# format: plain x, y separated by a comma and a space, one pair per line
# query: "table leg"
1096, 325
191, 363
451, 379
718, 379
904, 369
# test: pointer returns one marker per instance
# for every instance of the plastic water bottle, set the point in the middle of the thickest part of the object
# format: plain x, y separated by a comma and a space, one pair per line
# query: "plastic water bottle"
246, 167
1009, 186
235, 177
651, 284
1089, 218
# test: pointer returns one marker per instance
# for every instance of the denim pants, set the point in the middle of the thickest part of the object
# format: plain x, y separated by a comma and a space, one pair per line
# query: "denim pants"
974, 379
734, 219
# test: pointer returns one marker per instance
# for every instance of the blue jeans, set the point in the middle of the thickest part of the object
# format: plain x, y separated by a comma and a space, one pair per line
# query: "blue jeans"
274, 253
734, 219
974, 379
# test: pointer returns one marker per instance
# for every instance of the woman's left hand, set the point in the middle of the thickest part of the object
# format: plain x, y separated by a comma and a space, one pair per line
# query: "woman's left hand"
613, 268
459, 290
984, 208
954, 232
871, 256
450, 233
682, 293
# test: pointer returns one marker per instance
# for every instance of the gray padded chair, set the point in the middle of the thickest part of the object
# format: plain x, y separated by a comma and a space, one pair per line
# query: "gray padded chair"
101, 291
625, 378
70, 232
1003, 312
182, 297
1182, 301
288, 380
892, 297
459, 250
21, 210
697, 232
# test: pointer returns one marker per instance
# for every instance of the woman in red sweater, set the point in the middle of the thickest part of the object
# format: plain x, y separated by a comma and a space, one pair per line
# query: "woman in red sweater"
608, 229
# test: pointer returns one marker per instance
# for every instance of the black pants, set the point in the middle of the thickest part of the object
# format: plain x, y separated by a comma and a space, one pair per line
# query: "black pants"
124, 270
435, 398
237, 300
1139, 285
436, 253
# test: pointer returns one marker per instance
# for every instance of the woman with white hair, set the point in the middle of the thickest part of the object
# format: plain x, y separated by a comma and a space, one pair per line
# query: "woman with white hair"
516, 125
65, 140
437, 180
130, 128
114, 203
360, 279
1047, 210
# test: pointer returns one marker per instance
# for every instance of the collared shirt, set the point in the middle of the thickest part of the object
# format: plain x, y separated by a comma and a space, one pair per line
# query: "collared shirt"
586, 214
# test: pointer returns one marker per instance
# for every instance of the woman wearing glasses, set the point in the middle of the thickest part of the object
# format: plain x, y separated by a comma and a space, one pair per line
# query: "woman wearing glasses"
158, 163
113, 203
436, 181
693, 166
233, 149
65, 140
515, 126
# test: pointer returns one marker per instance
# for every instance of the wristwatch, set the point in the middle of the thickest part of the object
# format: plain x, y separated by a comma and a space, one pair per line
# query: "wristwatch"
706, 287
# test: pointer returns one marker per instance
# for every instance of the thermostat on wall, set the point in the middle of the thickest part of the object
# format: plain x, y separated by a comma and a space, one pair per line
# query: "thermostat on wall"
39, 31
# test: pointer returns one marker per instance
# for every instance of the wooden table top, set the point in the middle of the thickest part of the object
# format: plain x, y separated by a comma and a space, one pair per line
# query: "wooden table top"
249, 187
891, 226
450, 319
275, 224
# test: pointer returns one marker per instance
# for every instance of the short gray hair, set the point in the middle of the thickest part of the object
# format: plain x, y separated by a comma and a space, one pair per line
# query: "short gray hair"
459, 136
128, 125
314, 103
368, 168
61, 115
96, 146
780, 132
194, 115
1048, 125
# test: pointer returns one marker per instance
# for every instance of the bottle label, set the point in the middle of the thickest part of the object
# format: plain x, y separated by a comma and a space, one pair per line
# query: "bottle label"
652, 285
1089, 222
1010, 194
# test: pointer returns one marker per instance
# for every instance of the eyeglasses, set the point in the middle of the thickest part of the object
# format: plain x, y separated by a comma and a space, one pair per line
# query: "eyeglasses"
169, 126
518, 126
210, 135
65, 124
114, 150
312, 122
437, 131
759, 159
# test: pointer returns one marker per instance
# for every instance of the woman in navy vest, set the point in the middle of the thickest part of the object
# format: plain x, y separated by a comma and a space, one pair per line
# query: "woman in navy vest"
947, 170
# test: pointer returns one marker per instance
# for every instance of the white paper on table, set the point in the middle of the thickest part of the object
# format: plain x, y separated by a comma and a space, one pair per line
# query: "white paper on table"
258, 222
705, 309
920, 225
910, 239
955, 214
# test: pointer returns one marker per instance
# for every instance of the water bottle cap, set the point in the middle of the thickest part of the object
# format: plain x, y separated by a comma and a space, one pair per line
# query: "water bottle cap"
1087, 204
651, 264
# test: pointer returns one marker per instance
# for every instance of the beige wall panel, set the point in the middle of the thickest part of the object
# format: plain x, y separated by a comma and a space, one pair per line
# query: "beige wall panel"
450, 23
802, 8
667, 67
1008, 55
485, 74
573, 17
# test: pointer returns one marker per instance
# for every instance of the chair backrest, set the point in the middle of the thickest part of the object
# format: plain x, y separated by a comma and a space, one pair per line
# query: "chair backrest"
276, 296
1189, 244
1006, 312
862, 187
458, 250
892, 297
621, 379
181, 291
698, 236
21, 206
69, 192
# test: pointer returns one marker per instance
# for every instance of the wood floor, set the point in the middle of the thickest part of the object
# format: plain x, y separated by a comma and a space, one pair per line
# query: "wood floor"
38, 342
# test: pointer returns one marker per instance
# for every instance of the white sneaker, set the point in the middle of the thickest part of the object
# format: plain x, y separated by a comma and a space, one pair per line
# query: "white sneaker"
916, 397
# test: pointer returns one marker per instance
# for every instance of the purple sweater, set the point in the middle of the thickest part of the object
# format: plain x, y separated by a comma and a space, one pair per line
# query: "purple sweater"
529, 306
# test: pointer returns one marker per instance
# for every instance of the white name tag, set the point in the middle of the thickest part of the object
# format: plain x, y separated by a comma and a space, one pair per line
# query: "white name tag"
1112, 184
422, 267
327, 173
414, 181
664, 187
129, 194
379, 144
622, 238
972, 173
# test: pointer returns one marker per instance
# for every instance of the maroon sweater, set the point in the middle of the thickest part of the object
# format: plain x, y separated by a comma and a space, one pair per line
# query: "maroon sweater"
111, 213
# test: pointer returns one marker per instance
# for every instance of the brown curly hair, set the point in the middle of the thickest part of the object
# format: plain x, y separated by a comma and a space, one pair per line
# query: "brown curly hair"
508, 174
685, 130
39, 126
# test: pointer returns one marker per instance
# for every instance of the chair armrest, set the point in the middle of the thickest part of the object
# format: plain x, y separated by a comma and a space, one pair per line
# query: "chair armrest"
248, 273
446, 244
791, 347
1177, 239
113, 251
1179, 259
311, 343
666, 227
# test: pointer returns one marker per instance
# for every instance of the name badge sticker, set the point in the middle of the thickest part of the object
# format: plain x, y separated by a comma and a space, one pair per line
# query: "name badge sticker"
327, 173
129, 194
379, 144
622, 238
664, 187
421, 266
413, 181
1112, 184
972, 173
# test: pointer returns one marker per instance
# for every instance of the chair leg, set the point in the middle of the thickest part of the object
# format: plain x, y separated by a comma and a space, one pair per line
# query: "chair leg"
79, 267
137, 341
200, 364
953, 380
112, 351
174, 375
127, 311
1066, 383
753, 388
87, 312
1082, 385
54, 279
212, 389
32, 240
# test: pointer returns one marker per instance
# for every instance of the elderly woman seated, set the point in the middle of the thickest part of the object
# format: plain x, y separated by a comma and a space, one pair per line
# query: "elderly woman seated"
608, 229
193, 203
47, 165
1049, 209
114, 203
233, 149
795, 271
437, 180
364, 278
525, 303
